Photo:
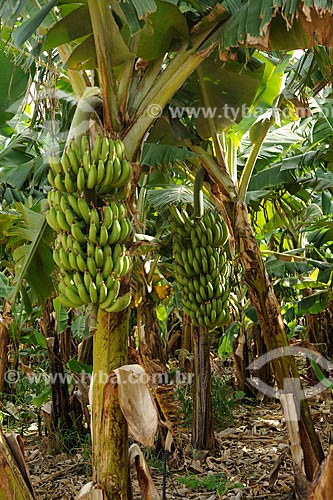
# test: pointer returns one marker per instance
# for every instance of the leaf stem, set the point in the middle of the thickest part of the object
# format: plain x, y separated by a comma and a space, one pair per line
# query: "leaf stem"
197, 193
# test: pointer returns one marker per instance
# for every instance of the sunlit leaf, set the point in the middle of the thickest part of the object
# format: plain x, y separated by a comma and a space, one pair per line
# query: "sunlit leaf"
73, 26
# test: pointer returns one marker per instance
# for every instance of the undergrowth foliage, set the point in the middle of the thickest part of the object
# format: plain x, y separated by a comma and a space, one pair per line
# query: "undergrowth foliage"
224, 399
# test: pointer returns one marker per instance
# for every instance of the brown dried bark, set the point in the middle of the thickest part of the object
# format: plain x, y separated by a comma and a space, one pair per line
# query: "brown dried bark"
4, 341
268, 311
202, 419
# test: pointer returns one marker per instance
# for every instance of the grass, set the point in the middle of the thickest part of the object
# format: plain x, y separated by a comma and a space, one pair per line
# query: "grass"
210, 482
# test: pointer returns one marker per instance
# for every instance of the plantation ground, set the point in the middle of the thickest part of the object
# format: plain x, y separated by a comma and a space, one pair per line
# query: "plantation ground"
253, 454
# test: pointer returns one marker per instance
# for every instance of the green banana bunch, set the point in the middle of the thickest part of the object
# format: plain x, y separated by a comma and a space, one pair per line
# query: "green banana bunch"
201, 266
89, 250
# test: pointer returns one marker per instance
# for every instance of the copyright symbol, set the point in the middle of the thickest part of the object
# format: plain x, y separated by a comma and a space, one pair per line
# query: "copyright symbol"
154, 110
11, 376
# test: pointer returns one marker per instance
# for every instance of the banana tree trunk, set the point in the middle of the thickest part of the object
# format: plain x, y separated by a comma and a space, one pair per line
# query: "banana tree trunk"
108, 425
268, 311
202, 419
61, 408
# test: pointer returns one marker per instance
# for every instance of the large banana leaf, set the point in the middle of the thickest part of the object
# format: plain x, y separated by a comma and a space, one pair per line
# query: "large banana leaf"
277, 24
75, 25
231, 88
13, 86
31, 238
29, 27
165, 28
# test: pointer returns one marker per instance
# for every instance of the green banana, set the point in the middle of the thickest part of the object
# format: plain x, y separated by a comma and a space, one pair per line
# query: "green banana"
92, 234
122, 211
65, 162
51, 219
64, 260
118, 251
82, 292
77, 233
120, 304
112, 294
65, 301
108, 176
107, 216
104, 150
119, 148
62, 222
126, 229
84, 209
86, 280
56, 257
108, 262
100, 172
94, 217
116, 172
92, 177
73, 159
72, 261
176, 215
77, 278
126, 265
77, 151
55, 165
103, 236
209, 234
73, 202
98, 280
81, 263
90, 249
112, 150
91, 265
50, 178
99, 257
93, 292
63, 240
218, 235
95, 152
210, 290
103, 292
115, 232
71, 295
85, 146
202, 293
70, 241
70, 217
125, 174
81, 179
58, 183
70, 186
86, 162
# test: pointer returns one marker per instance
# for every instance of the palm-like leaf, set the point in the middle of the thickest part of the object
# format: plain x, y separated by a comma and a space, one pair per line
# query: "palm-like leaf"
163, 155
32, 256
170, 195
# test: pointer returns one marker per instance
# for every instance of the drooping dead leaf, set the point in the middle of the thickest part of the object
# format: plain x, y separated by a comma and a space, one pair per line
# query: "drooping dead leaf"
15, 483
91, 492
322, 486
136, 403
147, 487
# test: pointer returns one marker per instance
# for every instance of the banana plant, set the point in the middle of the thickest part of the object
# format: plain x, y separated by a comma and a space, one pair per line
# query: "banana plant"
143, 54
